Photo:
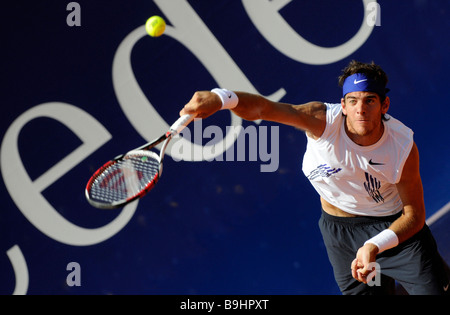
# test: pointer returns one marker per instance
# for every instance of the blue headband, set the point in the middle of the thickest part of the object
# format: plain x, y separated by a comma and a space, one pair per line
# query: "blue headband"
359, 82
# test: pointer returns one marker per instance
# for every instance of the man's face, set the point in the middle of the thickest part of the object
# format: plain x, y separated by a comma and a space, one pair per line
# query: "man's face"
364, 111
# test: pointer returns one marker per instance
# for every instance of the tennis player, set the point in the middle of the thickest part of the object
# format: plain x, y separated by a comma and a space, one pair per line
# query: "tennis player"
364, 164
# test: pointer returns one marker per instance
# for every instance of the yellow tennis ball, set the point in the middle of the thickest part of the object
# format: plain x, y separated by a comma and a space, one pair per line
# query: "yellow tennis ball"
155, 26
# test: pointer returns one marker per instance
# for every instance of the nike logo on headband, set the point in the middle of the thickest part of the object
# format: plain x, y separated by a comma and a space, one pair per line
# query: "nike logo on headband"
359, 81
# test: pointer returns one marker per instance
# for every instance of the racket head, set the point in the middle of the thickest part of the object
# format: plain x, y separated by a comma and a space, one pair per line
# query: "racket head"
124, 180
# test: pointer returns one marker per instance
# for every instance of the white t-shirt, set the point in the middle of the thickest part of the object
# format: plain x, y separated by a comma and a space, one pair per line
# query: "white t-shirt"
358, 179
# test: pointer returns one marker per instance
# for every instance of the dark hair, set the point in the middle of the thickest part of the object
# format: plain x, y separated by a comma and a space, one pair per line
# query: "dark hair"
371, 70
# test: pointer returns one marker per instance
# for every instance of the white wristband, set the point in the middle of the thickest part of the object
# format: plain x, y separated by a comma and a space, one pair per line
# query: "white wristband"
229, 98
386, 239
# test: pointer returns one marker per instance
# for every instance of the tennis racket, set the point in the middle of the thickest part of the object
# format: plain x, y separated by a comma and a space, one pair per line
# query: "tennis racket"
131, 175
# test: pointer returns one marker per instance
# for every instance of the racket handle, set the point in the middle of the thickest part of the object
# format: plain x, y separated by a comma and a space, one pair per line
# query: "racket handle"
182, 122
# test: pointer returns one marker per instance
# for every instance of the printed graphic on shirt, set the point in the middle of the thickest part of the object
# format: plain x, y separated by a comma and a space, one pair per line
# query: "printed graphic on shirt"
372, 186
323, 170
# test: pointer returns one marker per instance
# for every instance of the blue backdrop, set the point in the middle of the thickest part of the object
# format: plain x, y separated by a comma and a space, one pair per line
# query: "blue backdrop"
81, 83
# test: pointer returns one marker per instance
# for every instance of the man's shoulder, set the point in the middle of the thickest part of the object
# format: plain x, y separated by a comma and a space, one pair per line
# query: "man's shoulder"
333, 112
331, 106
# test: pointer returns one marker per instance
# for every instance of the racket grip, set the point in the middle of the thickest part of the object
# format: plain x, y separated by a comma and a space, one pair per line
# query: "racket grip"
182, 122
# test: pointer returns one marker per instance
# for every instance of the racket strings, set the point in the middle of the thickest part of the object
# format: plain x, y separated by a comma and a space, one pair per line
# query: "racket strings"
126, 178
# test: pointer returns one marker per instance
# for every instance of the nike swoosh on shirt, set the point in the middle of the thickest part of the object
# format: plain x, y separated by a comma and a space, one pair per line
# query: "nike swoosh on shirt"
359, 81
374, 163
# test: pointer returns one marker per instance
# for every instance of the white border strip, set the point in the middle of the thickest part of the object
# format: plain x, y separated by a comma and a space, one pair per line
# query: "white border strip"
438, 214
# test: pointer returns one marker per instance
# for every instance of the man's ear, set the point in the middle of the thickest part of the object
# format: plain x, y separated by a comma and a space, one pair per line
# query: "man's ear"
385, 105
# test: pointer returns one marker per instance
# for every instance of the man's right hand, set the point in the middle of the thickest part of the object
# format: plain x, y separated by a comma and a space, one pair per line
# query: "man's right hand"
202, 104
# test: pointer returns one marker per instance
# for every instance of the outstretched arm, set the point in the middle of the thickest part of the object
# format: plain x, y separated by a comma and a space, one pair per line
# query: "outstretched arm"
309, 117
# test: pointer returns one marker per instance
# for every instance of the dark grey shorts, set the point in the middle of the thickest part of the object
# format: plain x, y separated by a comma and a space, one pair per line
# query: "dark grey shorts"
415, 263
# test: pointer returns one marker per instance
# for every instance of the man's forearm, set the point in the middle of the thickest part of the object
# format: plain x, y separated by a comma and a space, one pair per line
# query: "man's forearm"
408, 224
